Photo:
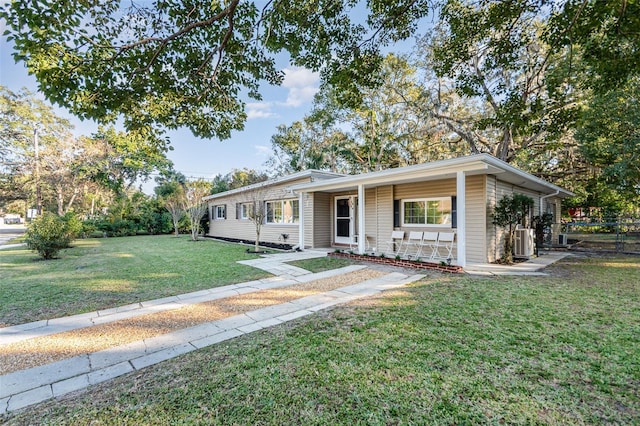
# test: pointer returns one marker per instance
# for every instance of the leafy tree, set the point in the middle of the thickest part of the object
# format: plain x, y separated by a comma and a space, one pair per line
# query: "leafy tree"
74, 173
603, 33
21, 113
220, 183
121, 158
243, 177
179, 63
509, 212
194, 206
173, 202
609, 133
494, 52
390, 128
311, 143
170, 191
257, 213
237, 178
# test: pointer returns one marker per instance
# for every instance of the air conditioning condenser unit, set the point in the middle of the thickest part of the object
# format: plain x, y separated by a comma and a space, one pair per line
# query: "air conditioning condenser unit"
524, 243
562, 239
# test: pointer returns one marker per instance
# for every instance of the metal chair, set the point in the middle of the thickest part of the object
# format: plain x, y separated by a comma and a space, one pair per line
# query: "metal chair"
414, 242
397, 237
430, 241
446, 241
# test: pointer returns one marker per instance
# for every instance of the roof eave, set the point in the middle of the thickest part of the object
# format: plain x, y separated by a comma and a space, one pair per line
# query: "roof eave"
275, 181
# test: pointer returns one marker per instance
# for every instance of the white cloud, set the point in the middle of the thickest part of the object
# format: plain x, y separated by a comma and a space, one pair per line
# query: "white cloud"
300, 77
259, 110
262, 150
302, 84
300, 95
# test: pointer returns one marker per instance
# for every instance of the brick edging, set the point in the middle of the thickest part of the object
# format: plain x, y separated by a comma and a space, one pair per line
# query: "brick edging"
403, 263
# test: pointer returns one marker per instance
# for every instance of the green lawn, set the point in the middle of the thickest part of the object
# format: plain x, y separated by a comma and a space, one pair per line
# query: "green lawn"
103, 273
562, 349
320, 264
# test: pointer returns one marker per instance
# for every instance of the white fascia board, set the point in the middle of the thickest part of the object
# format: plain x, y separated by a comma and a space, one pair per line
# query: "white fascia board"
542, 184
445, 168
283, 179
472, 164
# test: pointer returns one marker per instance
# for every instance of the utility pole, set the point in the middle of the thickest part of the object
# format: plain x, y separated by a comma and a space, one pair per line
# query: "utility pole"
37, 173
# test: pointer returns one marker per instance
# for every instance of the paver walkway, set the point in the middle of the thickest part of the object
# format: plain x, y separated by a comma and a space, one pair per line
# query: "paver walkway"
530, 267
31, 386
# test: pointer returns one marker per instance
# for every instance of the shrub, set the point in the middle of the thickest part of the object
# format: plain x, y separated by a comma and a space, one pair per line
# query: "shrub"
73, 226
49, 234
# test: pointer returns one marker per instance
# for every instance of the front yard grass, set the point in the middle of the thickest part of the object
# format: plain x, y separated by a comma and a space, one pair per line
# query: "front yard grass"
320, 264
561, 349
103, 273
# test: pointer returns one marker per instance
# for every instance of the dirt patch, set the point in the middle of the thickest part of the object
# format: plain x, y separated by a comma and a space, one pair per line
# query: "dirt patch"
47, 349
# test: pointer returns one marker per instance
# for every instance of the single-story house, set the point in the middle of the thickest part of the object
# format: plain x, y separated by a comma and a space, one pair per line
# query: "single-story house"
318, 209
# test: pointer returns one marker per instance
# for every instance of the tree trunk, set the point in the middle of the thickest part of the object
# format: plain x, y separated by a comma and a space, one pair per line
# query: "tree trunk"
194, 230
71, 200
507, 257
257, 247
60, 195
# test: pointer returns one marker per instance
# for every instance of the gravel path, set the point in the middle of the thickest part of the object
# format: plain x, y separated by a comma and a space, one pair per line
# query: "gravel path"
44, 350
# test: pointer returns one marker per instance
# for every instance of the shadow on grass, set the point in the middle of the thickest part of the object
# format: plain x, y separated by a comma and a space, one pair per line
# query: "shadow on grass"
102, 274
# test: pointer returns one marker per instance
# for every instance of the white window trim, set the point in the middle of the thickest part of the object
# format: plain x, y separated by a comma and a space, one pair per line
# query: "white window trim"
424, 225
294, 211
216, 212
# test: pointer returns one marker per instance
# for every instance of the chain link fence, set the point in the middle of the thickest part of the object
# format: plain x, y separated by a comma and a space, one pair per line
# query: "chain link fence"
620, 236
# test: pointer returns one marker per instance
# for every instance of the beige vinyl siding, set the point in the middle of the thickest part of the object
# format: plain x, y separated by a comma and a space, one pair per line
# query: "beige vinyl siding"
553, 205
371, 217
385, 215
502, 189
476, 230
244, 229
429, 189
322, 219
308, 220
492, 231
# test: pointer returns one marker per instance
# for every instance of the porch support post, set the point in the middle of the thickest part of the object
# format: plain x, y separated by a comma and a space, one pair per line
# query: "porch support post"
461, 197
362, 239
301, 221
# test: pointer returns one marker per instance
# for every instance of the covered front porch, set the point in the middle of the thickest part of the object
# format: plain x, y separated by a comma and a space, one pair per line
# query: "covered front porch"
363, 213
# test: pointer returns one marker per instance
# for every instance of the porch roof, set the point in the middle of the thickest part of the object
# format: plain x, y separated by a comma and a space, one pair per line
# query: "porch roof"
478, 164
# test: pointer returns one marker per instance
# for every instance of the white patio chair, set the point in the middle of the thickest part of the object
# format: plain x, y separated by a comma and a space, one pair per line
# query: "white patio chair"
430, 242
445, 244
394, 245
414, 243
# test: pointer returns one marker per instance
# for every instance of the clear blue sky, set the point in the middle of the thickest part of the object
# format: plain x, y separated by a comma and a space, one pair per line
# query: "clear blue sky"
197, 157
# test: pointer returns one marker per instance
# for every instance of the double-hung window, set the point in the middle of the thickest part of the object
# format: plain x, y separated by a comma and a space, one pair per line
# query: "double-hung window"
427, 211
220, 212
246, 209
283, 212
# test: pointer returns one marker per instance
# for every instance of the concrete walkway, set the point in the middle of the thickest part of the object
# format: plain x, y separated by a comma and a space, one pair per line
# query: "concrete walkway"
31, 386
530, 267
